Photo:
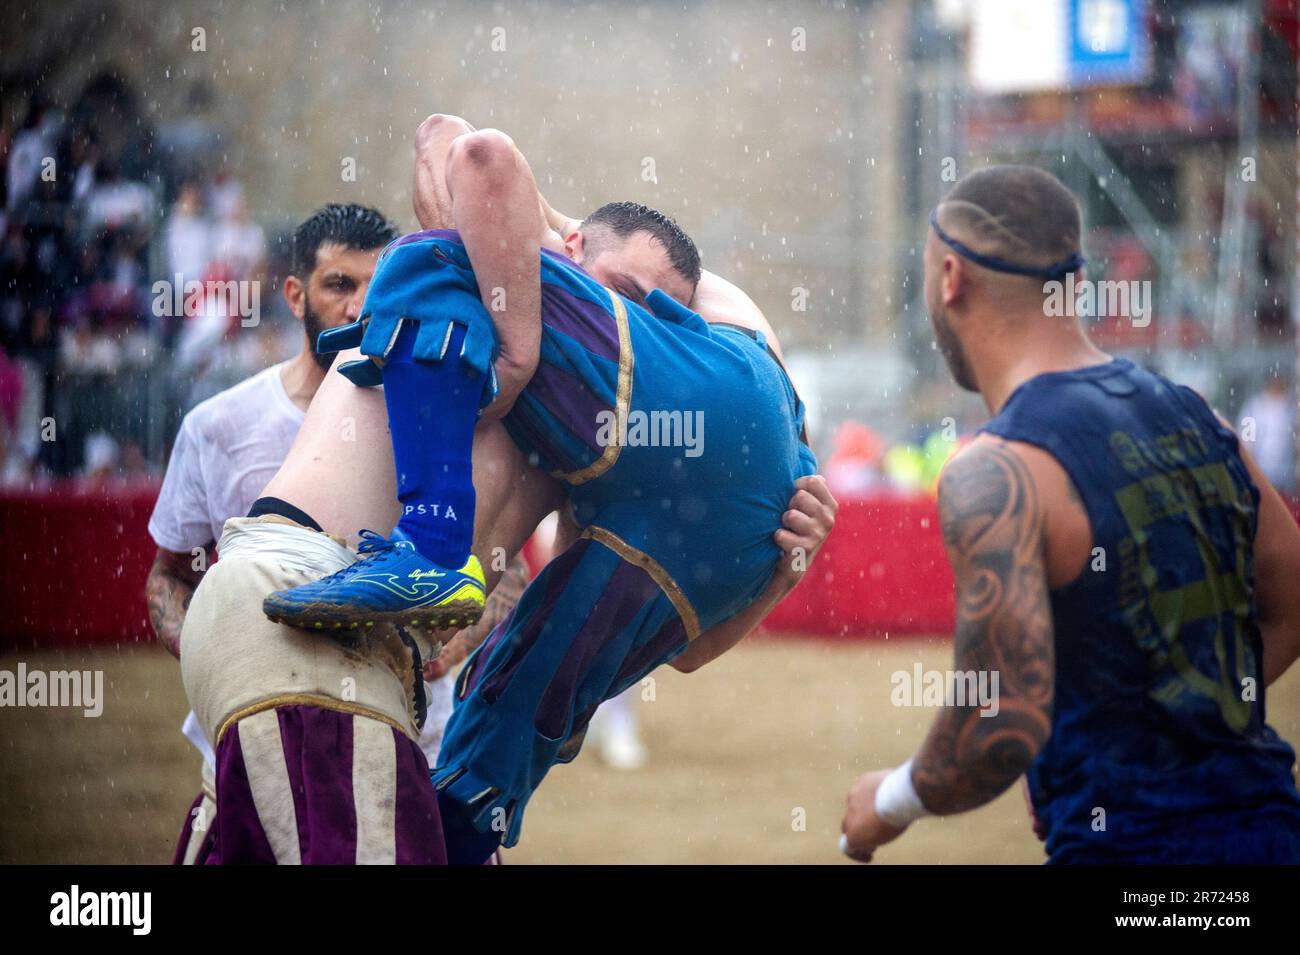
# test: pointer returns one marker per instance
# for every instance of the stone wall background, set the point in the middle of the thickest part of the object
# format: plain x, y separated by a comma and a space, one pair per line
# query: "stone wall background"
782, 162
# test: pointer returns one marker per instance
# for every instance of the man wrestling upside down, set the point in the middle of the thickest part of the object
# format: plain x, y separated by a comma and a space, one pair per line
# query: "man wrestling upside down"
675, 562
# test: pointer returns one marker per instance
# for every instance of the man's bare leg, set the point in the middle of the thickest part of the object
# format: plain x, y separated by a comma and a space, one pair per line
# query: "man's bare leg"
340, 471
340, 467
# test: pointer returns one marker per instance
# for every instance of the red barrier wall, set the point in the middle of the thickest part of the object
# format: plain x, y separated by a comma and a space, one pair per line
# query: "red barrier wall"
882, 571
73, 562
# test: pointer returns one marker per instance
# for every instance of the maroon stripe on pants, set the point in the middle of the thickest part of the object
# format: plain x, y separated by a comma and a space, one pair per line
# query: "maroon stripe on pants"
670, 635
554, 578
317, 746
418, 826
629, 589
318, 753
237, 833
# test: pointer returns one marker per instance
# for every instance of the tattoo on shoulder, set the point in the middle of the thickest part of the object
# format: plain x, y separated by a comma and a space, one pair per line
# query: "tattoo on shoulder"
993, 529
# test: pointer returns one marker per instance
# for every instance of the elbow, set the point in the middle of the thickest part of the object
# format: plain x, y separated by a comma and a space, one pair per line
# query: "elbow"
520, 352
1016, 764
1007, 736
513, 375
514, 371
684, 662
1014, 735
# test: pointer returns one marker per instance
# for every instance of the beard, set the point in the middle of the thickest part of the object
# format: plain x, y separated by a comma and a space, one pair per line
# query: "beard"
313, 326
954, 353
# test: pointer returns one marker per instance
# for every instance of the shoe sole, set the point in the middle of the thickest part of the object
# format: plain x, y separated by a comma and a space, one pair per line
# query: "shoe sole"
328, 617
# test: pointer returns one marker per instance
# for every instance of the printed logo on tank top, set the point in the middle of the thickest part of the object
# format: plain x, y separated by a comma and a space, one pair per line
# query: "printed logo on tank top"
1180, 490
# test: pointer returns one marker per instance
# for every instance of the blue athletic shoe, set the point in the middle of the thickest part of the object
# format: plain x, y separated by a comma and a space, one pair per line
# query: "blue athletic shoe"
391, 583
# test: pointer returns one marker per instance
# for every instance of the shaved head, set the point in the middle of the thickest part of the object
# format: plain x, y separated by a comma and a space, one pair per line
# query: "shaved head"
996, 237
1018, 214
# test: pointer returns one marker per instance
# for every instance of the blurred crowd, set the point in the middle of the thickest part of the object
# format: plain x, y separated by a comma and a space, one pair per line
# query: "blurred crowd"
101, 214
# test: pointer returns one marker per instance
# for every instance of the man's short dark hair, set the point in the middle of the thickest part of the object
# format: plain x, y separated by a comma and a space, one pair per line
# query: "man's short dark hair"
1021, 214
625, 219
347, 224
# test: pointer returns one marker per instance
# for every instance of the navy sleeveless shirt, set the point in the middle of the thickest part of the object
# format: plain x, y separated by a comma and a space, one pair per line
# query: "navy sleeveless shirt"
1159, 749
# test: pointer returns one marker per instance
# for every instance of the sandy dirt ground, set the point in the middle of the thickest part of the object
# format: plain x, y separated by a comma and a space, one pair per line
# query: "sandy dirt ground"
750, 759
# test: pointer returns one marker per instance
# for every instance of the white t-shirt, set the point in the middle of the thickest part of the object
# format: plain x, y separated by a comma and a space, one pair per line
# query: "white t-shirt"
228, 449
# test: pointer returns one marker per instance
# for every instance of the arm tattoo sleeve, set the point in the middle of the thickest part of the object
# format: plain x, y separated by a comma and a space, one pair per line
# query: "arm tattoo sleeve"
992, 528
171, 584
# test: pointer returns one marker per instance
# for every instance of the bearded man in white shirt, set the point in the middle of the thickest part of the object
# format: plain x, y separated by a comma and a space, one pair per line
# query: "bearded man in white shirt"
232, 444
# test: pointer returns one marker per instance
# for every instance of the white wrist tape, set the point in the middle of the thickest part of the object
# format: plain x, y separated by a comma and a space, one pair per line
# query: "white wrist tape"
896, 800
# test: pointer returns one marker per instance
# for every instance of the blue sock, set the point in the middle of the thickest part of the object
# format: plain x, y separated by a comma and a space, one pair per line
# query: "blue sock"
432, 411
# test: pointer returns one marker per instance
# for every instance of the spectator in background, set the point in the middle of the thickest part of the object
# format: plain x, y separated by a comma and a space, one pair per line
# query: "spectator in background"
73, 276
36, 348
116, 203
238, 243
133, 464
854, 468
102, 454
82, 156
189, 143
224, 192
11, 398
36, 140
613, 730
110, 112
6, 144
189, 236
1268, 423
208, 350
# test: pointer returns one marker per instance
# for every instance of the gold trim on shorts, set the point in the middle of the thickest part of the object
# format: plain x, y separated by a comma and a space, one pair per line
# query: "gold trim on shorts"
308, 699
623, 402
641, 559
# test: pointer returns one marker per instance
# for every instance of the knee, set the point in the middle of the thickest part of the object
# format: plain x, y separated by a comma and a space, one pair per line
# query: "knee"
488, 153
